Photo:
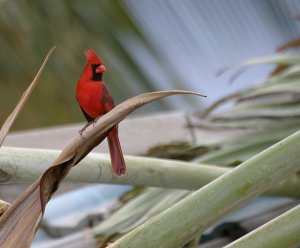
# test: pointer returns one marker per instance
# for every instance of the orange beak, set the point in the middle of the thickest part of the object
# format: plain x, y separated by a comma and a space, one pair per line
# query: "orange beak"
100, 69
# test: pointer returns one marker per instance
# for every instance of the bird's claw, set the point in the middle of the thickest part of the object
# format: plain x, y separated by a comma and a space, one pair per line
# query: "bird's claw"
82, 129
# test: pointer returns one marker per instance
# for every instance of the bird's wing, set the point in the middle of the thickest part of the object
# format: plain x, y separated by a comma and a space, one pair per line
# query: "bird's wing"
107, 99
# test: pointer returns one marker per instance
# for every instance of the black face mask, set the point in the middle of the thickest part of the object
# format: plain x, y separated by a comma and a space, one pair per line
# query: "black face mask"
96, 76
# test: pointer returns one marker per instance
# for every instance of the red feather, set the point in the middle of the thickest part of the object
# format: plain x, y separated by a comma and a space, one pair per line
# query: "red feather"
95, 100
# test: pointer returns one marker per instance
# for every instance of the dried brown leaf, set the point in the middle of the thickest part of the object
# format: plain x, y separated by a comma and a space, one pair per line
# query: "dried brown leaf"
278, 69
13, 116
19, 223
291, 44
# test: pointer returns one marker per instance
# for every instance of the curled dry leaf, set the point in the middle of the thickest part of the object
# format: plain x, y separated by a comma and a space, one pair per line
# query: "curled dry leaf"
19, 223
13, 116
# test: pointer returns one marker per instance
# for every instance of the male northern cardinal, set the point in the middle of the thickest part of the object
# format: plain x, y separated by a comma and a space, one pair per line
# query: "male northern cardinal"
95, 100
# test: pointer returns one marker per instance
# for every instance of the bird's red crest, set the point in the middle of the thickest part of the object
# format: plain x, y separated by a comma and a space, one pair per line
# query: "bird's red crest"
92, 57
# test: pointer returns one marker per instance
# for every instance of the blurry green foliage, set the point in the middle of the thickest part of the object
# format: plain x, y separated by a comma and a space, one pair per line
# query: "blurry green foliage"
30, 28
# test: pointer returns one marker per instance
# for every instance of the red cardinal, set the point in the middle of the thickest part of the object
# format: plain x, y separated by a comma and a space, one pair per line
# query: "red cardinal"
95, 100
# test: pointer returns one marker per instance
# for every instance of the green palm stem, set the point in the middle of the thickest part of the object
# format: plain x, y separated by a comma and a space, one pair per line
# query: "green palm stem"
183, 221
20, 165
282, 231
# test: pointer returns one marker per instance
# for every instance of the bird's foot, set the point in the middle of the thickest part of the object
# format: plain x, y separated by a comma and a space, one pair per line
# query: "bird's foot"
85, 126
81, 131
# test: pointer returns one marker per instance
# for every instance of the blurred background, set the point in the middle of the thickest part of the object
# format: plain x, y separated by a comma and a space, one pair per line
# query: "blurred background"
146, 46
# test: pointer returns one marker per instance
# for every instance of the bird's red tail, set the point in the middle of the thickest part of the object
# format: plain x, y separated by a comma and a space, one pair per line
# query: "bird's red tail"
116, 154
